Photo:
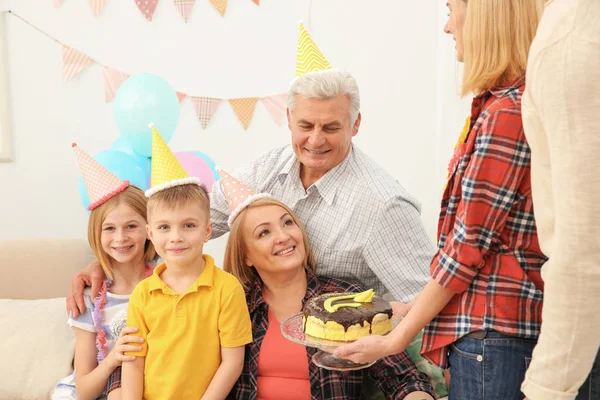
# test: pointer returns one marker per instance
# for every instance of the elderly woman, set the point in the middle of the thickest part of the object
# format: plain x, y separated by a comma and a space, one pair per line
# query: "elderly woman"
269, 252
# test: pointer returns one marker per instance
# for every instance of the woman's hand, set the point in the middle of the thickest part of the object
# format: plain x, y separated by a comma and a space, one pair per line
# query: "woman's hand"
365, 349
125, 343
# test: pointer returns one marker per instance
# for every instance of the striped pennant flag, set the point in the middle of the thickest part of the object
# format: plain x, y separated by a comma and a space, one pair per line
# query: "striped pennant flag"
309, 58
276, 106
57, 3
113, 79
244, 109
205, 108
256, 2
220, 5
74, 62
185, 8
97, 6
147, 7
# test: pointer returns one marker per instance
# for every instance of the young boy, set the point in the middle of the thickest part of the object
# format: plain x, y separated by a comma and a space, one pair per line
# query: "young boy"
192, 315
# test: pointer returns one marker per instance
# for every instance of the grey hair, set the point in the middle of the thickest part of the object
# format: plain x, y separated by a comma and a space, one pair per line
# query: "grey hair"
326, 84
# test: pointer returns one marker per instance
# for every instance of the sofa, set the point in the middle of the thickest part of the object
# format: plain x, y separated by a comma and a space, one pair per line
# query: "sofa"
36, 344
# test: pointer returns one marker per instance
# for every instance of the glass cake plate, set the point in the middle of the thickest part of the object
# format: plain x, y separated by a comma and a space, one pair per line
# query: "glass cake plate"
292, 329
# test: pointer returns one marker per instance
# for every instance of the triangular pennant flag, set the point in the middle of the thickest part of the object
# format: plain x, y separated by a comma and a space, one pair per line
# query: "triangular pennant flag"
113, 79
181, 96
97, 6
167, 171
256, 2
276, 106
309, 58
147, 7
244, 108
185, 8
100, 184
57, 3
205, 108
74, 62
220, 5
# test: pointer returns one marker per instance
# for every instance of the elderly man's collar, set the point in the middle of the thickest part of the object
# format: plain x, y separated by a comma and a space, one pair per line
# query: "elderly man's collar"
326, 186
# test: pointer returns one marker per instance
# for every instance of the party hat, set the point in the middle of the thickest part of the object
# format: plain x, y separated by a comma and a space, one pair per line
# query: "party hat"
239, 196
309, 58
100, 183
166, 170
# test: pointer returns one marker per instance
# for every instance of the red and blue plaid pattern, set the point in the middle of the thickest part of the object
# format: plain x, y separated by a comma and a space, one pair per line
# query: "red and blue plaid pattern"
488, 251
396, 376
114, 380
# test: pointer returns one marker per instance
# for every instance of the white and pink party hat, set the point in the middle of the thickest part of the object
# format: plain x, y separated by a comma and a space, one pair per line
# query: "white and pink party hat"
239, 196
100, 183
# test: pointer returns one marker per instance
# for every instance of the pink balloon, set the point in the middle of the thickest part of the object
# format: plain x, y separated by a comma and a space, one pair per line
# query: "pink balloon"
195, 165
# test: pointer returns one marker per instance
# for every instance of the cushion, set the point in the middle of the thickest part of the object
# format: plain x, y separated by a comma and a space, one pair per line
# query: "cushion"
36, 346
435, 374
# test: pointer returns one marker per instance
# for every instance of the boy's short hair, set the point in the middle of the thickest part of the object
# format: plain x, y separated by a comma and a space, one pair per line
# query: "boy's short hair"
178, 196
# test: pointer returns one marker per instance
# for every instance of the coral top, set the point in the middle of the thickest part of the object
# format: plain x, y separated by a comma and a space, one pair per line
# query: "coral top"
282, 367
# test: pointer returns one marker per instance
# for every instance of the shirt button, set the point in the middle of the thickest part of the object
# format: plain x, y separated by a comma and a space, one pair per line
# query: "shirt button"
480, 358
179, 308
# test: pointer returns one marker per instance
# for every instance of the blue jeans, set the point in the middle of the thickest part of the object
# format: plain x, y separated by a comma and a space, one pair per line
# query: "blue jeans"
489, 368
590, 390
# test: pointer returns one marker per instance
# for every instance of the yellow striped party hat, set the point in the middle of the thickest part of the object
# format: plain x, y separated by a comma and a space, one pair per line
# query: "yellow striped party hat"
166, 169
309, 58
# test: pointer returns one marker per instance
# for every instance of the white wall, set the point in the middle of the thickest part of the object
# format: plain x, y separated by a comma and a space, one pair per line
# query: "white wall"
403, 63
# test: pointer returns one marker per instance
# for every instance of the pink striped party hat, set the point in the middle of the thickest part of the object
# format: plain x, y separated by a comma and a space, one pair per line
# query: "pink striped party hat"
239, 196
100, 183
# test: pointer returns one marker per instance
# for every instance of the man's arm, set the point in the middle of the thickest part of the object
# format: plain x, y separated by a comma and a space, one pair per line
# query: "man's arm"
93, 276
399, 251
232, 363
566, 95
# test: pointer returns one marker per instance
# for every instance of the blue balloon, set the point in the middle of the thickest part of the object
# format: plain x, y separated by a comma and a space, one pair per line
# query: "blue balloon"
122, 144
210, 163
142, 99
125, 166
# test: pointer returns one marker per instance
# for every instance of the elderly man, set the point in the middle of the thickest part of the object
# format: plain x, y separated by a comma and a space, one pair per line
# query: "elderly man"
363, 225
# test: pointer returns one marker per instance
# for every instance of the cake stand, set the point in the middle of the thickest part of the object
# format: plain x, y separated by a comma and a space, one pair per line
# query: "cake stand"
293, 330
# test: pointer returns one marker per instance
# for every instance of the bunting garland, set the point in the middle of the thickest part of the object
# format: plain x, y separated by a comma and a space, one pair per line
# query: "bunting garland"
147, 7
113, 79
205, 108
97, 6
185, 8
74, 62
276, 106
244, 109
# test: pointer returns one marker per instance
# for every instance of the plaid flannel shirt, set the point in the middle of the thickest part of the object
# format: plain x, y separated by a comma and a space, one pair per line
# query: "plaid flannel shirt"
396, 375
488, 251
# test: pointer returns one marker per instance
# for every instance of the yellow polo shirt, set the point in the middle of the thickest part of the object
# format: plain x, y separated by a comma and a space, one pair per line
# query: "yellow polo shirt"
184, 333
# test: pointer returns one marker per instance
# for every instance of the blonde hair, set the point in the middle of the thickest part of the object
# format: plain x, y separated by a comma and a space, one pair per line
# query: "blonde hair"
235, 253
132, 197
496, 39
178, 196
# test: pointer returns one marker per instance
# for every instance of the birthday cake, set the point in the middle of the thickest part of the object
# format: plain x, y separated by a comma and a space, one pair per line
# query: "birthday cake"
347, 316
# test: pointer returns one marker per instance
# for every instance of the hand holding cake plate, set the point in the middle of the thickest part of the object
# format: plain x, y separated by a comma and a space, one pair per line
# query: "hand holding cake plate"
334, 319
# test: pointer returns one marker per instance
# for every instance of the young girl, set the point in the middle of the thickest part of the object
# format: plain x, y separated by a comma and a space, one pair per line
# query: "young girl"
117, 235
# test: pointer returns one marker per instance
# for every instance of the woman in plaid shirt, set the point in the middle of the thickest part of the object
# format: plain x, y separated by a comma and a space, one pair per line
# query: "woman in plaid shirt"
268, 251
481, 309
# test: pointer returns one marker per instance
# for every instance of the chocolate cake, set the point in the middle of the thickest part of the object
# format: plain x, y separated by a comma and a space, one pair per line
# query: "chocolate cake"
344, 319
